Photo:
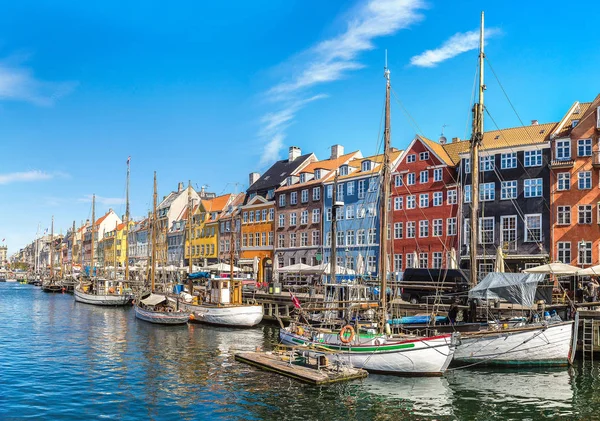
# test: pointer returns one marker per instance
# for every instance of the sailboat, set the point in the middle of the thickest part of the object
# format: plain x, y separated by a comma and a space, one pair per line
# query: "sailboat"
375, 348
539, 343
96, 291
68, 281
52, 284
223, 304
158, 308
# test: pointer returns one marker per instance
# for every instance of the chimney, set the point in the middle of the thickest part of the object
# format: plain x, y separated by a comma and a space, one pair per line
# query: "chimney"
294, 153
179, 187
455, 139
337, 151
534, 122
253, 178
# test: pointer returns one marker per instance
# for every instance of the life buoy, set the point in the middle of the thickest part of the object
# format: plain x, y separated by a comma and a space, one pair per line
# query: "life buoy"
111, 290
344, 338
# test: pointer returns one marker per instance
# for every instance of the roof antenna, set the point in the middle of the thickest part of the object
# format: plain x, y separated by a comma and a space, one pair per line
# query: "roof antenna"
442, 140
386, 71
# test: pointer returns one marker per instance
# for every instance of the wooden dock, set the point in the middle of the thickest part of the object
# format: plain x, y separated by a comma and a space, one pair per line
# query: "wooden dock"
299, 368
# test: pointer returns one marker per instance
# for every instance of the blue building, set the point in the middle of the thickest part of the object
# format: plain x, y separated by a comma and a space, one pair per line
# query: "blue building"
357, 224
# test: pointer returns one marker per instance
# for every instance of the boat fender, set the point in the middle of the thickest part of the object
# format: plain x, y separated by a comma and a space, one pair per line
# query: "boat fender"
344, 338
111, 290
192, 317
300, 330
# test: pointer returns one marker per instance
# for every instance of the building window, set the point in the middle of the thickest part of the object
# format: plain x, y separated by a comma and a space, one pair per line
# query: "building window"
373, 182
486, 230
411, 158
564, 181
316, 238
564, 215
304, 196
316, 193
486, 163
533, 227
317, 174
438, 198
398, 230
293, 198
564, 252
344, 170
437, 174
398, 203
508, 190
303, 239
281, 220
584, 180
316, 216
257, 239
371, 210
350, 188
424, 177
350, 237
258, 216
410, 229
245, 217
366, 165
340, 193
423, 156
508, 160
293, 219
484, 269
468, 194
508, 232
410, 260
282, 200
563, 149
398, 180
328, 239
264, 215
372, 236
293, 239
467, 165
487, 192
423, 260
424, 200
271, 214
329, 191
532, 187
360, 237
584, 147
452, 197
360, 211
350, 262
410, 178
584, 257
250, 216
349, 212
423, 229
361, 189
585, 214
328, 214
451, 226
411, 202
438, 228
437, 259
372, 264
533, 158
264, 239
397, 263
304, 217
271, 238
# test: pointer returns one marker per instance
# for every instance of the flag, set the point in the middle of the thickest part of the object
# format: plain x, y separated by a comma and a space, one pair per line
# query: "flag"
3, 239
295, 300
128, 159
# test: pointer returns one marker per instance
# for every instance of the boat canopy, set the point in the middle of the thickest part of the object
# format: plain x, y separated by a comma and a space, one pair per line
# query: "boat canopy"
153, 299
516, 288
199, 275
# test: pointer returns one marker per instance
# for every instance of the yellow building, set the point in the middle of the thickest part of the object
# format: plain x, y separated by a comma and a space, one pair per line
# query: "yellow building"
114, 245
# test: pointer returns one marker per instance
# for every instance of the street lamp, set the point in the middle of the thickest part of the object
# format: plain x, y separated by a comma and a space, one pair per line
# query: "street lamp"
582, 252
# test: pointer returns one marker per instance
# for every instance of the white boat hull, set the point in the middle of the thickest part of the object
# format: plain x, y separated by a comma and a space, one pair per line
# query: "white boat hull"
102, 299
415, 357
231, 315
11, 280
543, 345
162, 317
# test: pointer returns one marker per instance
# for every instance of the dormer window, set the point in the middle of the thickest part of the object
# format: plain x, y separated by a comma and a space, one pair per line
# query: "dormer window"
317, 174
289, 181
344, 170
574, 123
302, 177
270, 194
366, 166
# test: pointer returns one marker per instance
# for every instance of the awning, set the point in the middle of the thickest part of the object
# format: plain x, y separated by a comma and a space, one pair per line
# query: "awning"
298, 267
516, 288
153, 299
555, 268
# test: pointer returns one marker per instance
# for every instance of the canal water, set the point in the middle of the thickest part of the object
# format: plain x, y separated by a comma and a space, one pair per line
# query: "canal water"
61, 360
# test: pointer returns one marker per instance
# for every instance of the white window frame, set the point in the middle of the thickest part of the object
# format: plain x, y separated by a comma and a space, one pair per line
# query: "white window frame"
437, 174
563, 180
533, 187
508, 160
532, 158
482, 238
508, 234
586, 177
528, 238
438, 198
562, 149
563, 215
509, 190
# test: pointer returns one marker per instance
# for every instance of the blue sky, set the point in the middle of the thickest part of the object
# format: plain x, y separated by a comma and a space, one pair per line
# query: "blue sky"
210, 91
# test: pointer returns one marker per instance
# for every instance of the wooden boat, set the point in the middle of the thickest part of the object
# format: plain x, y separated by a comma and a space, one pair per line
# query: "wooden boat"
160, 309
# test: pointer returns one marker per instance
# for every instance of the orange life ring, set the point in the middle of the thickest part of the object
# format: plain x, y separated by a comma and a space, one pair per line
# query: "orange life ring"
111, 290
344, 338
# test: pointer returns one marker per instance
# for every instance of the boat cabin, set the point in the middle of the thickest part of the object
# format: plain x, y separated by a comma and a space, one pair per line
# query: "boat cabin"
225, 291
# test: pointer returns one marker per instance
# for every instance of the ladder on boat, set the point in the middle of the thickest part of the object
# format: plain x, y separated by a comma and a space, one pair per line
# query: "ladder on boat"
587, 340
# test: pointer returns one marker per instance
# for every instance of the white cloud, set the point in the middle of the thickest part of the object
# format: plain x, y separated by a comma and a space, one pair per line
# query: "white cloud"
17, 83
331, 60
457, 44
34, 175
106, 201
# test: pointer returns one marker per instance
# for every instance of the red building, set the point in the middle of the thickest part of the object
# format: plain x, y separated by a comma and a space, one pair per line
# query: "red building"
424, 202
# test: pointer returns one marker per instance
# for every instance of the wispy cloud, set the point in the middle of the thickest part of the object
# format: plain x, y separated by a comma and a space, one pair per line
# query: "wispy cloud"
331, 60
18, 83
34, 175
457, 44
106, 201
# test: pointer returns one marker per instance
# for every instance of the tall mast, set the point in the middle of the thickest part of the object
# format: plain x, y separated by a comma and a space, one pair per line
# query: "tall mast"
476, 139
93, 226
126, 228
52, 248
72, 247
115, 250
385, 194
334, 209
189, 226
154, 229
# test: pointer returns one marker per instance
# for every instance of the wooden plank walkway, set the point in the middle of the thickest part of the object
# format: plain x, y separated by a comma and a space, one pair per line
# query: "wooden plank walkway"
280, 363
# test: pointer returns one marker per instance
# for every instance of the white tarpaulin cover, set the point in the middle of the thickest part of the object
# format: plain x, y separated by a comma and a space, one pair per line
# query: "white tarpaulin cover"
298, 267
153, 299
516, 288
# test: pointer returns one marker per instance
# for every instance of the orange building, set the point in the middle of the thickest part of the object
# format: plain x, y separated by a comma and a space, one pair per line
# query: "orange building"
256, 252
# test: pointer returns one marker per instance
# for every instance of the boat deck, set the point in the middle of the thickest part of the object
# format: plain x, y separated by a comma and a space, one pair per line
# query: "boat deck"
291, 366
